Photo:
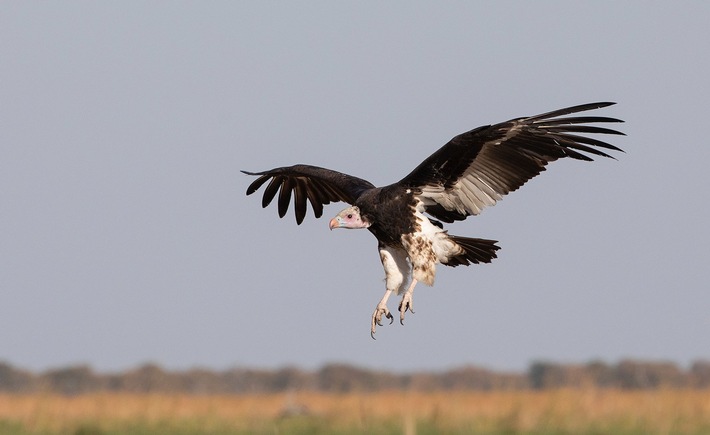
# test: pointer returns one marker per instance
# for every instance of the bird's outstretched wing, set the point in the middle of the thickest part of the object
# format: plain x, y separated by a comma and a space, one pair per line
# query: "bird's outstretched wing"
321, 186
477, 168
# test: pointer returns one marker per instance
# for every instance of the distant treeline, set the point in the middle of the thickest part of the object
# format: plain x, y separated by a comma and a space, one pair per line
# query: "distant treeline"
343, 378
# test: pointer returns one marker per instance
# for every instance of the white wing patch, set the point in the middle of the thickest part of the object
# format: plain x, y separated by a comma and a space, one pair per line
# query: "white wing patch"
469, 195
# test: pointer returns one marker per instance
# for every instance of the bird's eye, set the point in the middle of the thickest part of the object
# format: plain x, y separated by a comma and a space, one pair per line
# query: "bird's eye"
350, 216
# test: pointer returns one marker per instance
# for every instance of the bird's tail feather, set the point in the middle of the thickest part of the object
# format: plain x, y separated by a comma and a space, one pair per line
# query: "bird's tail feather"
474, 251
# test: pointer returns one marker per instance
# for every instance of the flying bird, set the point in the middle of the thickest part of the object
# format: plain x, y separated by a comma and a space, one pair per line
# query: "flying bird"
472, 171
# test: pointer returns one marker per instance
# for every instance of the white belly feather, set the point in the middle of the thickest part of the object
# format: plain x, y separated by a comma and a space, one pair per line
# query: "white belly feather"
427, 246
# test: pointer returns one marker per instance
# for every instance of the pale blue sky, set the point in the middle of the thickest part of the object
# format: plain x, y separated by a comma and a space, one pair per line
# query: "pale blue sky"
126, 236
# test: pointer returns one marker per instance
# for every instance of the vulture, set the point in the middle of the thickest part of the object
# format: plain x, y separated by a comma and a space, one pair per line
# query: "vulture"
472, 171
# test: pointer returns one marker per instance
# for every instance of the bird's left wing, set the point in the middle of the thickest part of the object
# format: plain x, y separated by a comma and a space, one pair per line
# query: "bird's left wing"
319, 185
477, 168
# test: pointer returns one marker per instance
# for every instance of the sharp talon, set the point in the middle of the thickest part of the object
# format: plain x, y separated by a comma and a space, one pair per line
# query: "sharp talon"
404, 305
380, 310
377, 316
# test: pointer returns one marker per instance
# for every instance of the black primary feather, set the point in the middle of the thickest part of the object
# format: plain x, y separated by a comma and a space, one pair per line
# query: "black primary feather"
319, 186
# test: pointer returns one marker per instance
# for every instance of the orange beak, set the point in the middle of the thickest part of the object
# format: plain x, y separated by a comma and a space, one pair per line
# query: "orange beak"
334, 223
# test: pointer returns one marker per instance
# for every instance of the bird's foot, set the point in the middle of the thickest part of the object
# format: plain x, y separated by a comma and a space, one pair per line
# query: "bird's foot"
404, 305
377, 317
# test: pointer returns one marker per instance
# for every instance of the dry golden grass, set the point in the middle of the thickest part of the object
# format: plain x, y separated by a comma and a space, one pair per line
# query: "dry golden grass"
558, 411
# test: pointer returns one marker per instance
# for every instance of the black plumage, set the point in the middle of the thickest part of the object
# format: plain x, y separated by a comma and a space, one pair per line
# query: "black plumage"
472, 171
536, 141
320, 186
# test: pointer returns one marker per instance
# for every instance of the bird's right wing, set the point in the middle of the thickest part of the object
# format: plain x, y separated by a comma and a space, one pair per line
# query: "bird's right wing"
477, 168
321, 186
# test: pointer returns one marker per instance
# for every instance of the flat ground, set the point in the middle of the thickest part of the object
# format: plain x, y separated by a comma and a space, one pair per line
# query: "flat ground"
590, 411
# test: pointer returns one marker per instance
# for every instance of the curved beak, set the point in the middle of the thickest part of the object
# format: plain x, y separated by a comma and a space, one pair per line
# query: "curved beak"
334, 223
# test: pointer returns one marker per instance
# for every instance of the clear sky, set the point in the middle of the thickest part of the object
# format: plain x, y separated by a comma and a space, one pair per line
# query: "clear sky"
126, 236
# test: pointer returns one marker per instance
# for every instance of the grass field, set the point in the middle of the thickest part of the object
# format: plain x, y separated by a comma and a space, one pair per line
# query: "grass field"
528, 412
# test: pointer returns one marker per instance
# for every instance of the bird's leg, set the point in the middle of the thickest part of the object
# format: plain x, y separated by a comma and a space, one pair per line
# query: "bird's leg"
394, 261
379, 311
407, 303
